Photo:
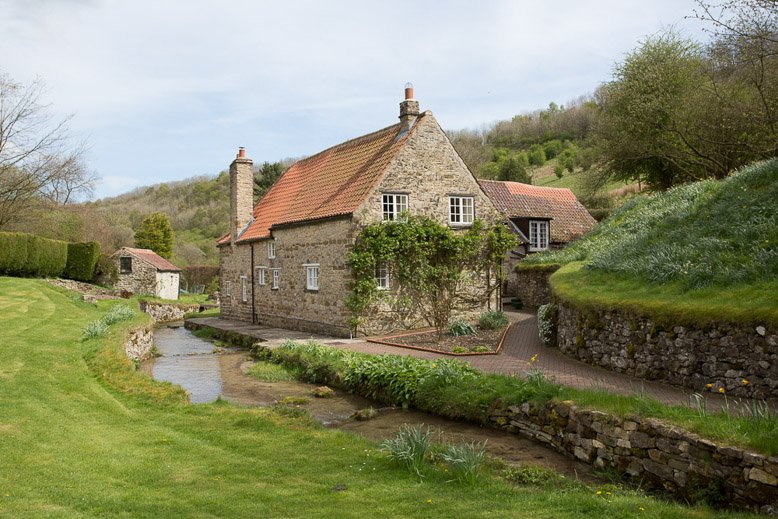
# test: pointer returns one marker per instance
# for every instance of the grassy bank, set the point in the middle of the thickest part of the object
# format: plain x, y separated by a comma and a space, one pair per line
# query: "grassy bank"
82, 434
451, 388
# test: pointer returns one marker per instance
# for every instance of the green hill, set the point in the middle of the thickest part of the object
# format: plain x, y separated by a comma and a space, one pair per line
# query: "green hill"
713, 242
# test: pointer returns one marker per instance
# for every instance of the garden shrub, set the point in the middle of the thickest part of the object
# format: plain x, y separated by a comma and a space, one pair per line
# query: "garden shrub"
547, 324
493, 320
82, 260
117, 314
106, 271
94, 330
459, 327
24, 254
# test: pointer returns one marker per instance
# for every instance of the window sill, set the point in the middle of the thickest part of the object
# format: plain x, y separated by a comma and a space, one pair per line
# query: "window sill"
313, 290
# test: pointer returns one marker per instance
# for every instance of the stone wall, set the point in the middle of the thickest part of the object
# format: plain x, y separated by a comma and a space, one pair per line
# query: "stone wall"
651, 453
234, 262
141, 281
164, 313
741, 359
532, 285
139, 343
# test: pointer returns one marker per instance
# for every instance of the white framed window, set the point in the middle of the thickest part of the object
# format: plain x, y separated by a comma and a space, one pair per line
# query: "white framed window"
312, 276
461, 210
228, 287
276, 278
261, 275
244, 289
382, 277
392, 205
538, 235
271, 249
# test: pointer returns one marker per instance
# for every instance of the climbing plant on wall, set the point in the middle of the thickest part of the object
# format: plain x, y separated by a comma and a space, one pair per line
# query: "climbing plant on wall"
423, 263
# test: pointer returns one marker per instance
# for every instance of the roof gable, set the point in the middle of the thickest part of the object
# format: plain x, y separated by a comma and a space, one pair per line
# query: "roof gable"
331, 183
150, 257
516, 200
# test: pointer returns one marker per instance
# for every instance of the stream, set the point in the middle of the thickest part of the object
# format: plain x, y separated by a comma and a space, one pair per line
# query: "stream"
208, 373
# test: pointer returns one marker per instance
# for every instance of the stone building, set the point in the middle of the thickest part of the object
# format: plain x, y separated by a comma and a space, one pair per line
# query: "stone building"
144, 272
284, 263
542, 218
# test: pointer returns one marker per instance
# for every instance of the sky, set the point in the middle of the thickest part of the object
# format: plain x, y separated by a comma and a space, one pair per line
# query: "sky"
163, 90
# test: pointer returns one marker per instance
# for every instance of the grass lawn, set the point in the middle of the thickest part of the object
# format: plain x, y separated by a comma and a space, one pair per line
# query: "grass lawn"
82, 434
755, 303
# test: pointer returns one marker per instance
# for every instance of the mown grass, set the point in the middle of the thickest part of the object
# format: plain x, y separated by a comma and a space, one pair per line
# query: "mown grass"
84, 434
453, 389
755, 303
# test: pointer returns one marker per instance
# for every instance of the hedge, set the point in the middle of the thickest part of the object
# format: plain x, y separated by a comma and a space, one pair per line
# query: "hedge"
29, 255
82, 259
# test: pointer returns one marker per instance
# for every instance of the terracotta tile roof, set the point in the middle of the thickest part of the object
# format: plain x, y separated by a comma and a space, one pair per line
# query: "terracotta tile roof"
570, 218
151, 257
331, 183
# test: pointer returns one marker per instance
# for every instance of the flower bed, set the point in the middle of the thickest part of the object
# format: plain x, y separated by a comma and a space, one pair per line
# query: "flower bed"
482, 342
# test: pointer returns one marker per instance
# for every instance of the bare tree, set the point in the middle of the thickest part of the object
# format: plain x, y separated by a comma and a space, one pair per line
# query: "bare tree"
37, 157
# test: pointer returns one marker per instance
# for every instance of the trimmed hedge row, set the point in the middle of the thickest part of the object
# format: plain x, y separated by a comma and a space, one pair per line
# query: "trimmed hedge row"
82, 259
28, 255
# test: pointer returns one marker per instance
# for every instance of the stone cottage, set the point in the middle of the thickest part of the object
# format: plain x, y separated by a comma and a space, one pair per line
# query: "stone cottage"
284, 262
144, 272
543, 218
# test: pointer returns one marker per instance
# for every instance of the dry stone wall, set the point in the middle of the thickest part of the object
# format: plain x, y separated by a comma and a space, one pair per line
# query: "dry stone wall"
164, 313
532, 285
651, 453
139, 343
742, 359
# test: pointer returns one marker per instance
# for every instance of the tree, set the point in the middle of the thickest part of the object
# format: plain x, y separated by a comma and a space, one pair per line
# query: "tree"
37, 157
514, 171
156, 233
266, 176
427, 262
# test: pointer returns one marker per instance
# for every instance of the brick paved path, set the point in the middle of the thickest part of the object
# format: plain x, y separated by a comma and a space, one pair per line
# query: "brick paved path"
521, 344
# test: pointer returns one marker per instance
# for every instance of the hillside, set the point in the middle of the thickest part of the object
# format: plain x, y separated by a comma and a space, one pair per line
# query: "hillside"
710, 244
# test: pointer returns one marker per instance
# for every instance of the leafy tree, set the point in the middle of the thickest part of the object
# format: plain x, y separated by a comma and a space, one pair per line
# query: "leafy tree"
536, 155
156, 233
266, 176
514, 171
427, 262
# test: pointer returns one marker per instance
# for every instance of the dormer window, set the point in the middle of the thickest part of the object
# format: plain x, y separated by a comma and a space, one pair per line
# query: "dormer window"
461, 210
392, 205
538, 235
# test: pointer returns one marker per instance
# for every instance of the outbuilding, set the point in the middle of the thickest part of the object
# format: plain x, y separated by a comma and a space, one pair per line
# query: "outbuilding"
144, 272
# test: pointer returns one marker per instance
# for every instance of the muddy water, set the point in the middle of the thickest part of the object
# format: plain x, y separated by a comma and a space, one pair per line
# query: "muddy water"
192, 363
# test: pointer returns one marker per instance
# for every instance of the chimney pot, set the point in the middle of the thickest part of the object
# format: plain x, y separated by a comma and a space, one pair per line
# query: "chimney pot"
241, 152
408, 91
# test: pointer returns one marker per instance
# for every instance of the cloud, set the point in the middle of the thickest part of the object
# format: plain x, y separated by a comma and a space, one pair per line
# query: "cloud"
285, 79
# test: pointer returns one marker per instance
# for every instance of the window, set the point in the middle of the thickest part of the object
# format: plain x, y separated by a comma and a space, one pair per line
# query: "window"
125, 265
276, 278
244, 290
261, 275
312, 277
228, 287
460, 210
271, 249
382, 277
393, 205
538, 235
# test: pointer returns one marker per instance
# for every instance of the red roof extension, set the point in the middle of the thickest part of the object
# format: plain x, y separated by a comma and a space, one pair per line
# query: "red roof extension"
149, 256
331, 183
515, 200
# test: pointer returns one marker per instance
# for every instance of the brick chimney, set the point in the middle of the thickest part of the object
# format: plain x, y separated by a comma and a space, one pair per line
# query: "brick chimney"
241, 193
409, 108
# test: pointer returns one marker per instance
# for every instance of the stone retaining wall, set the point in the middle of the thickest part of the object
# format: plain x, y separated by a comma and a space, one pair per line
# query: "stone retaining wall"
139, 343
163, 313
741, 359
651, 453
532, 285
